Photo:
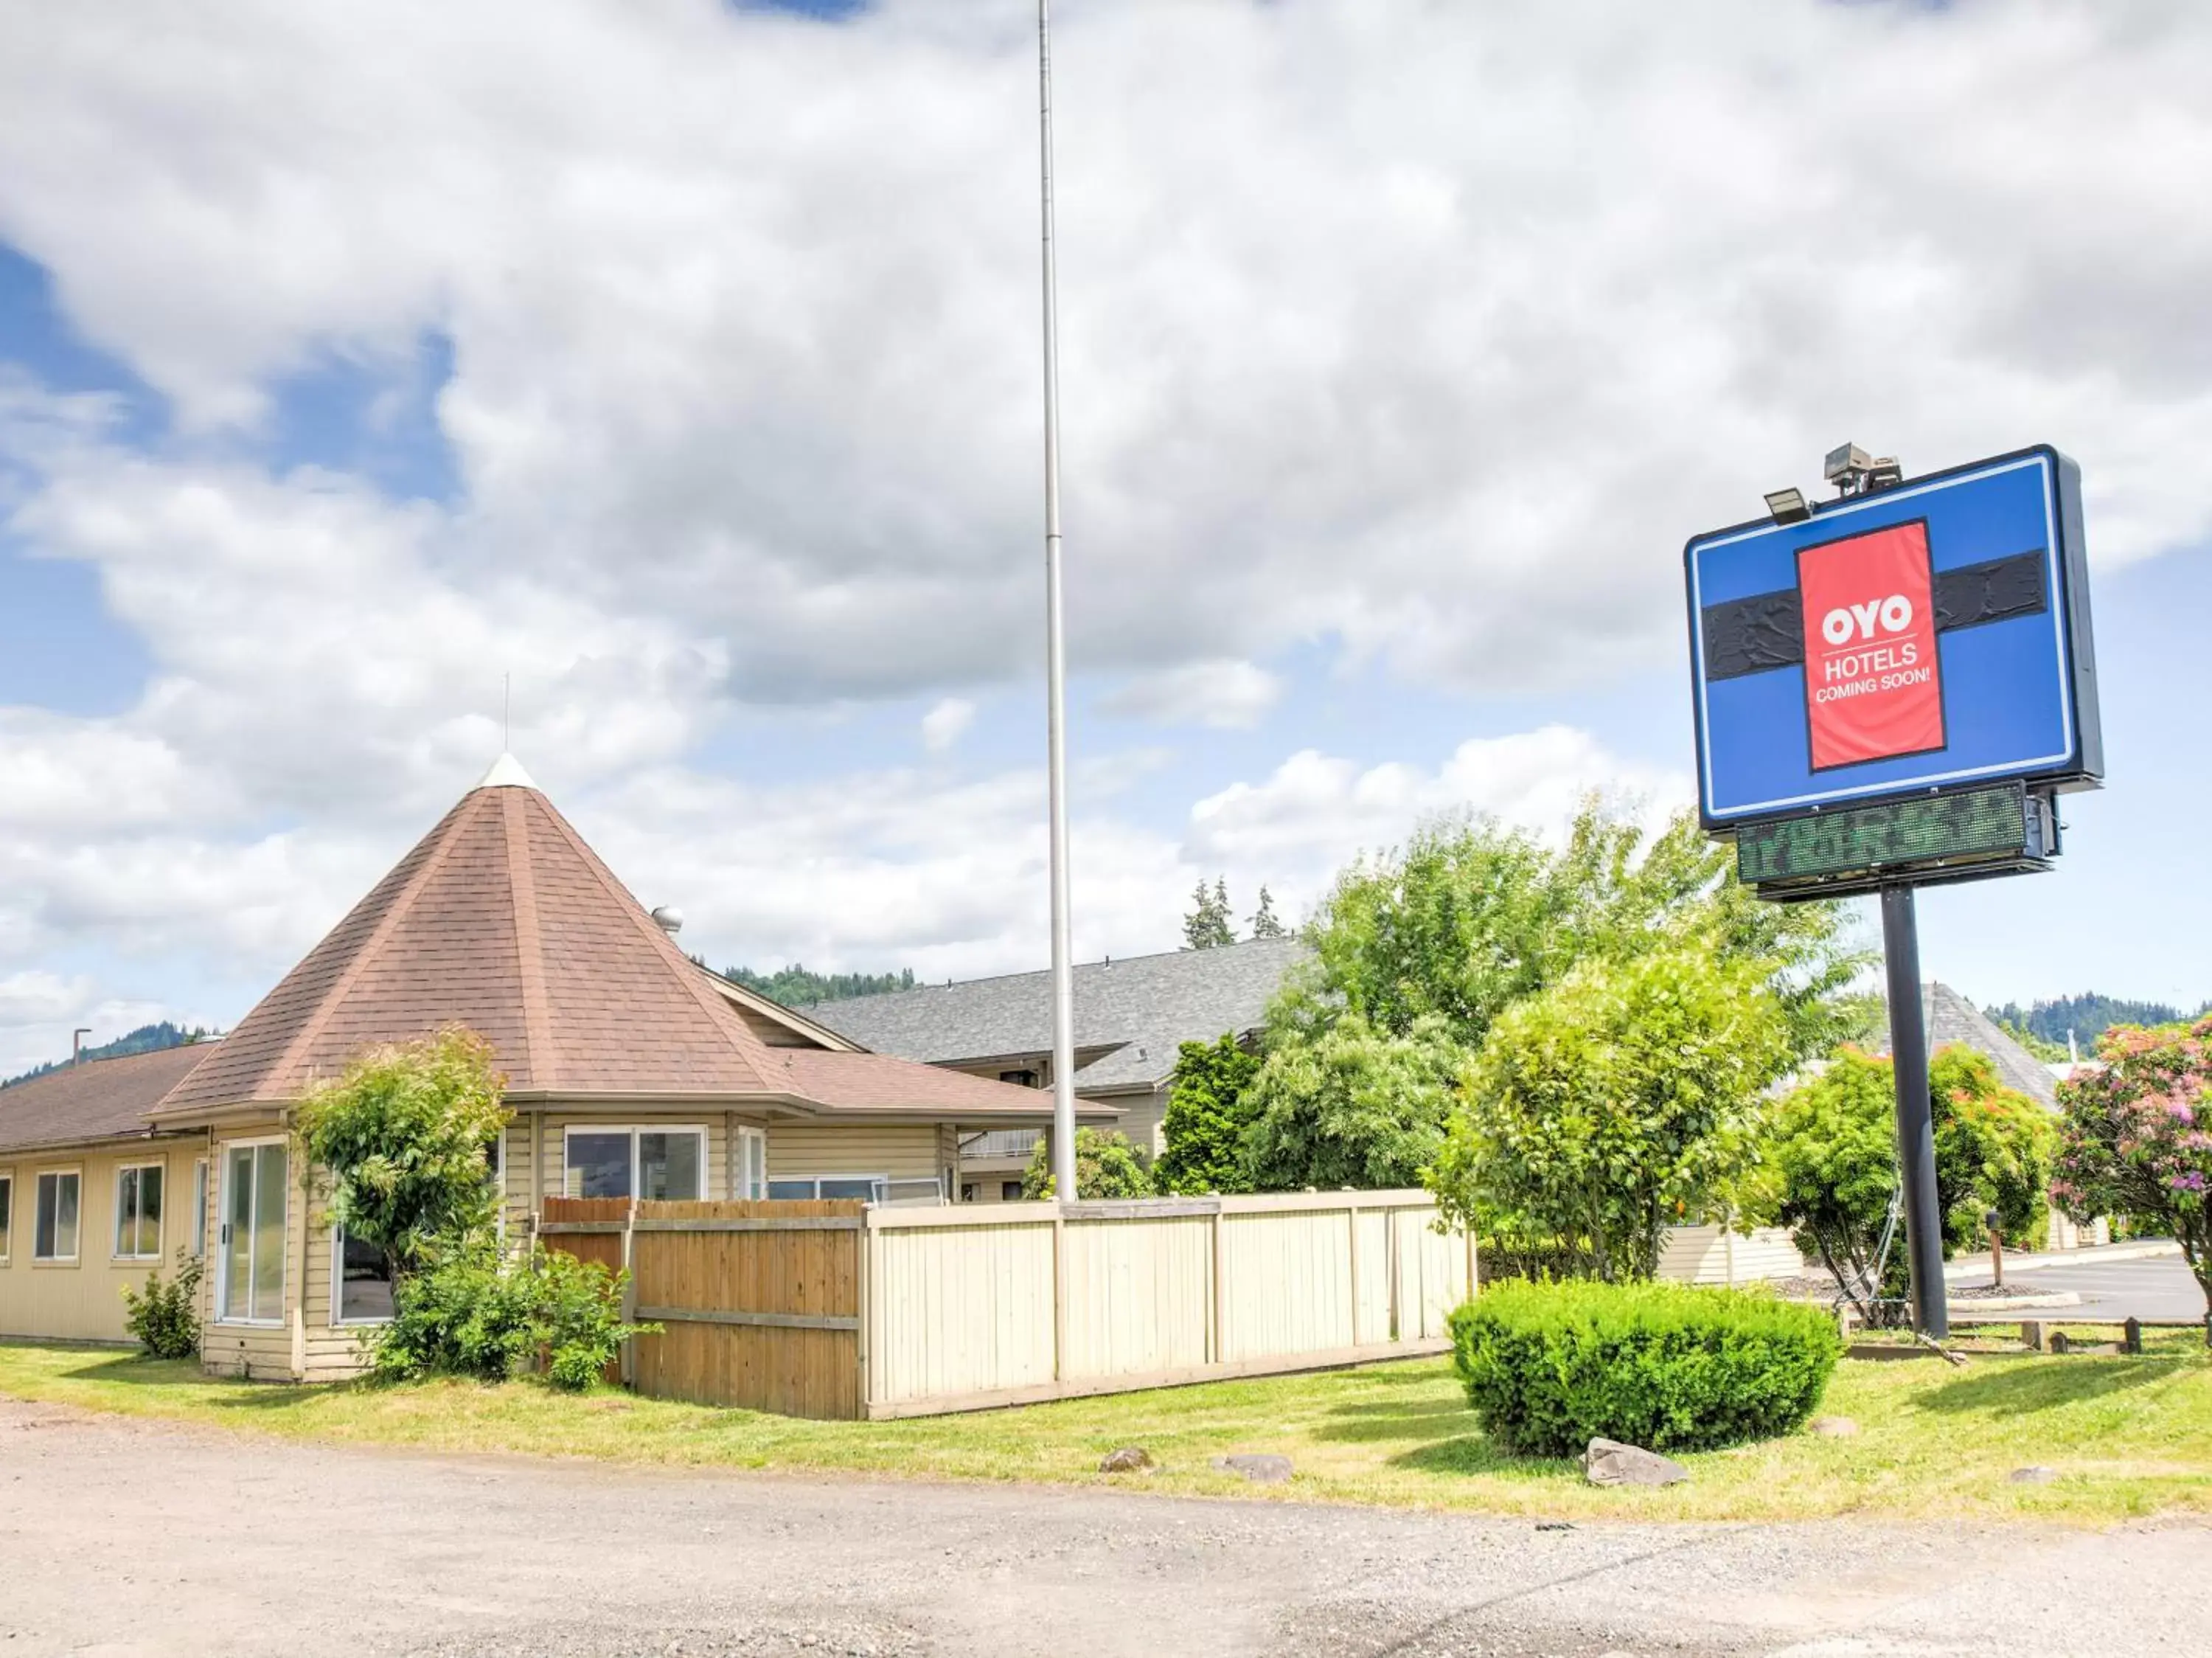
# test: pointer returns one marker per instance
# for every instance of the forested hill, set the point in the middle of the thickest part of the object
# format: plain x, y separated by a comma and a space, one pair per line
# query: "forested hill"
2088, 1015
147, 1038
794, 986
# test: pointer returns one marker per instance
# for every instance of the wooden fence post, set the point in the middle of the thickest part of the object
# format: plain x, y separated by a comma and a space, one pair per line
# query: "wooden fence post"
629, 1292
864, 1287
1352, 1219
1219, 1326
2031, 1334
1059, 1290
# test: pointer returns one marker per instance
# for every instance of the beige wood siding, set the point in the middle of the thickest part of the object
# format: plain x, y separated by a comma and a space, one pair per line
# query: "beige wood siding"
904, 1151
82, 1300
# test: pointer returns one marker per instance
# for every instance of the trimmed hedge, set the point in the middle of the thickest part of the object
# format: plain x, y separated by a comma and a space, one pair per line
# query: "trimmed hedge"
1549, 1367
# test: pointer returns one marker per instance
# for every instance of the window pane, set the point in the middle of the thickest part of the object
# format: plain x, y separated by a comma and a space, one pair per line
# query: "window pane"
150, 1211
65, 1217
42, 1232
126, 1212
598, 1165
668, 1167
268, 1170
7, 1205
784, 1189
237, 1220
199, 1209
364, 1280
862, 1186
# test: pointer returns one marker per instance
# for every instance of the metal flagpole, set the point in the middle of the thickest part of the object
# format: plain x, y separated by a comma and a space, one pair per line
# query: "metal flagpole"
1063, 981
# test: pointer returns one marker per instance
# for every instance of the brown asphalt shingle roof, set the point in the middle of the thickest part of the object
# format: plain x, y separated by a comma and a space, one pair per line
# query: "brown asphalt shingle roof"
502, 919
95, 1099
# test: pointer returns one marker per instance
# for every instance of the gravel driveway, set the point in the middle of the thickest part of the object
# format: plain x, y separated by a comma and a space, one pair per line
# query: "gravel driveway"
122, 1538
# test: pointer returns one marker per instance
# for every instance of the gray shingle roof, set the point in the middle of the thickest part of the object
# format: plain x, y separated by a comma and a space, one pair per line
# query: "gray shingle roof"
1952, 1019
97, 1099
1140, 1008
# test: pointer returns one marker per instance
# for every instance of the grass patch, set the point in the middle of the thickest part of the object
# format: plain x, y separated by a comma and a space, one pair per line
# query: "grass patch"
2128, 1436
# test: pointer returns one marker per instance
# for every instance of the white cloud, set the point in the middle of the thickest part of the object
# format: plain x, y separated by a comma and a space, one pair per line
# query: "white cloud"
1317, 812
1463, 323
1224, 693
1467, 317
945, 724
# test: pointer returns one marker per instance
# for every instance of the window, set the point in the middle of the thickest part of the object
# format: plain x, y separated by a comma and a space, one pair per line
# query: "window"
655, 1164
138, 1213
360, 1281
199, 1209
970, 1193
868, 1188
1020, 1079
250, 1289
53, 1235
1009, 1192
7, 1212
752, 1164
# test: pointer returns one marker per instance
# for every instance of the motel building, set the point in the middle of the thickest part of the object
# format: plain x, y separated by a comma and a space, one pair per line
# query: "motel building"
632, 1071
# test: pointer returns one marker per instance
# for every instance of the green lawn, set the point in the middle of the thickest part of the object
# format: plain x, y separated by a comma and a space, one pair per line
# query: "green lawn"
2127, 1435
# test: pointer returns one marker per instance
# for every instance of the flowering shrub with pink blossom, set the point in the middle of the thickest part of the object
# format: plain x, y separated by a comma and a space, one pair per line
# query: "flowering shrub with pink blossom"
2136, 1140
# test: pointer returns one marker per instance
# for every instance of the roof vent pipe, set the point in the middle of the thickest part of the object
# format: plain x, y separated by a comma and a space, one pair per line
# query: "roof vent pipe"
669, 919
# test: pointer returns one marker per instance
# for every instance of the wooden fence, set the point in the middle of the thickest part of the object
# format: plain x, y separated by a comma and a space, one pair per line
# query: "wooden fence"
832, 1309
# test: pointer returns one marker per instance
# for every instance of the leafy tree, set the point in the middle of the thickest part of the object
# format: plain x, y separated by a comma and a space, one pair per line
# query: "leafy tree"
2087, 1016
402, 1138
1208, 1112
1351, 1106
1471, 916
1621, 1100
1265, 923
2136, 1140
1833, 1165
1208, 924
1106, 1166
795, 986
2041, 1047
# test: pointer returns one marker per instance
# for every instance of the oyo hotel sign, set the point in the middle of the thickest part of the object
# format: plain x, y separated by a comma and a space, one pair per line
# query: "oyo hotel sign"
1927, 637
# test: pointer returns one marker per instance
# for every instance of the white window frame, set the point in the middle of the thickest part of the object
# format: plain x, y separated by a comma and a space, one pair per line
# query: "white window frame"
199, 1208
8, 1215
338, 1321
752, 1165
72, 1172
161, 1222
224, 1314
634, 1129
877, 1184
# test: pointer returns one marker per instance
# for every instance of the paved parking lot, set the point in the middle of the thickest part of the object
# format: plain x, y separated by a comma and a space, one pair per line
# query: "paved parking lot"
127, 1539
2147, 1287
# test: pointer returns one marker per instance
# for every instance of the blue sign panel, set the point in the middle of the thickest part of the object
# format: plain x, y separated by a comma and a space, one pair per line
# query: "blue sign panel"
1930, 635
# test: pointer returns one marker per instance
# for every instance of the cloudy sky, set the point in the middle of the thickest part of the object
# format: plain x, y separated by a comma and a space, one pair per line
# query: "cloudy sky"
679, 361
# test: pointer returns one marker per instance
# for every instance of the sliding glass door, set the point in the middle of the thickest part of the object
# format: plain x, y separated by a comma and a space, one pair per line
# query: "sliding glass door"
251, 1287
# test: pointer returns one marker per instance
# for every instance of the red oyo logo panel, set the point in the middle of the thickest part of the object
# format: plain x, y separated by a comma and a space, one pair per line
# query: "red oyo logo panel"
1874, 686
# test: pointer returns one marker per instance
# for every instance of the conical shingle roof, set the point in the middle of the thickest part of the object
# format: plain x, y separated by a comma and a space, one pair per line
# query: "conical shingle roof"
502, 919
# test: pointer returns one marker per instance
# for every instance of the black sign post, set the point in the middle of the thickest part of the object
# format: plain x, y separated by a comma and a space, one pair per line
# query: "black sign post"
1915, 1122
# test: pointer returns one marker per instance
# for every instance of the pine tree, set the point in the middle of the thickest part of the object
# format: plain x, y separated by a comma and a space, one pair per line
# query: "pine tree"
1207, 925
1264, 922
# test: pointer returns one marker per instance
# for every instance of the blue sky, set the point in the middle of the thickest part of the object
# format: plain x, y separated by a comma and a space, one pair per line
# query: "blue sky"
681, 369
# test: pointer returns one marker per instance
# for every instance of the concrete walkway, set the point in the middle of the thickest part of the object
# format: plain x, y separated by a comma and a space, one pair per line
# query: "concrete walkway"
127, 1539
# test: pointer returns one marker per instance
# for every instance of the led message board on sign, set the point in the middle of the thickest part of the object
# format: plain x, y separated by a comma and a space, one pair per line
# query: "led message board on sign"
1976, 830
1928, 637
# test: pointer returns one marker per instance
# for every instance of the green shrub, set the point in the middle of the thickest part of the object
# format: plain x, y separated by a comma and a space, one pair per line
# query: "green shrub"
1549, 1367
474, 1311
165, 1317
1106, 1166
